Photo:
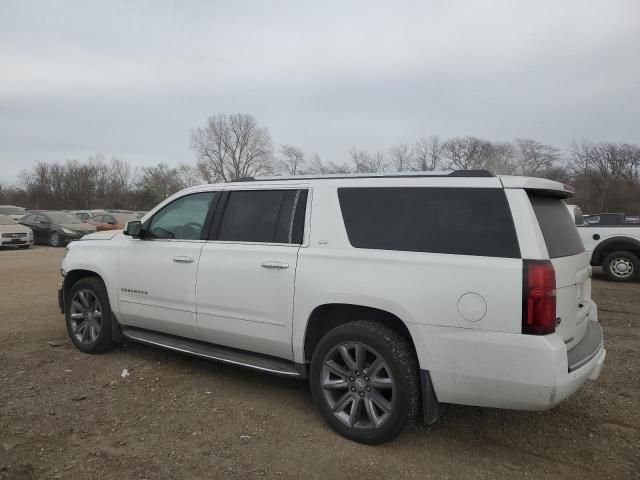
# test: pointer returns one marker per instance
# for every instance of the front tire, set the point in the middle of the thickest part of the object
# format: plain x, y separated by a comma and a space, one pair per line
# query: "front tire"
88, 316
55, 240
364, 380
621, 266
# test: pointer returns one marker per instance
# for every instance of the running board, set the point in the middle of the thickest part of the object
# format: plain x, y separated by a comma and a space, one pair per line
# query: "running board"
272, 365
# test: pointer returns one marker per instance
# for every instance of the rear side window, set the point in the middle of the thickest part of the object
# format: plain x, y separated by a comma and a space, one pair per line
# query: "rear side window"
462, 221
559, 231
264, 216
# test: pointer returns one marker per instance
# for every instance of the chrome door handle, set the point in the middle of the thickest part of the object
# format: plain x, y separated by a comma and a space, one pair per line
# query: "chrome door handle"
270, 264
182, 259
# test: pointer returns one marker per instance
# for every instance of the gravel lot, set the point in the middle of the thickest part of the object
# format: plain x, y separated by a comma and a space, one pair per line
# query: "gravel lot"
64, 414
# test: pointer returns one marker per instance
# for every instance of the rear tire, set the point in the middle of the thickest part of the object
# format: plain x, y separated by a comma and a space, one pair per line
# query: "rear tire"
88, 316
621, 266
364, 380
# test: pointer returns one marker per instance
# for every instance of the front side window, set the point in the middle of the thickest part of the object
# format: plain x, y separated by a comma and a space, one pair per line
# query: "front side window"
265, 216
461, 221
182, 219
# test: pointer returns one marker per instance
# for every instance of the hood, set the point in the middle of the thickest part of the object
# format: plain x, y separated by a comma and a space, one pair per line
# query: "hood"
14, 229
78, 227
104, 235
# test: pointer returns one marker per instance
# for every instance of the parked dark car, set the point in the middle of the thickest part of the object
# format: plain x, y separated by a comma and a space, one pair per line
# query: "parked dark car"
56, 228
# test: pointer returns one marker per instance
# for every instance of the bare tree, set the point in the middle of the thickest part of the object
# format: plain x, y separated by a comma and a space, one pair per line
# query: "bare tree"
189, 175
366, 162
233, 146
427, 153
293, 159
499, 158
401, 156
466, 153
318, 167
533, 157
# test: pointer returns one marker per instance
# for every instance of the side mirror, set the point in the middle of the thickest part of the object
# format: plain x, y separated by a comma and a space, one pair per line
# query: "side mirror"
133, 229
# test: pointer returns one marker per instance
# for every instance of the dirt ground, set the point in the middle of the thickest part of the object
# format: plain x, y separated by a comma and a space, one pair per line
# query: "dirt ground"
64, 414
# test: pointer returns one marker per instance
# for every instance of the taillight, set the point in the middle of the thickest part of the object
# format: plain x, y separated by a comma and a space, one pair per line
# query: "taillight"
539, 297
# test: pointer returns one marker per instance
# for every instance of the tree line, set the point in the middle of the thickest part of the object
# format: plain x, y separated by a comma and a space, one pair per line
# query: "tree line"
228, 147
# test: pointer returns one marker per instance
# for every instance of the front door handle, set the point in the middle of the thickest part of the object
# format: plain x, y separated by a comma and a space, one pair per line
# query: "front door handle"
270, 264
183, 259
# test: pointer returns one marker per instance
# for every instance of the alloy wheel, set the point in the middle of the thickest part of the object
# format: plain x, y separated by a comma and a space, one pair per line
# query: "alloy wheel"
85, 315
358, 385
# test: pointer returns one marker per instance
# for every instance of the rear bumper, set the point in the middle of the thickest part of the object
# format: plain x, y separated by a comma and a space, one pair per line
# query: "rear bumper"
501, 370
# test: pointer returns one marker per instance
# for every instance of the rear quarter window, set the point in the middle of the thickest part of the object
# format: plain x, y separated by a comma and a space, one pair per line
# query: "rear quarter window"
462, 221
559, 231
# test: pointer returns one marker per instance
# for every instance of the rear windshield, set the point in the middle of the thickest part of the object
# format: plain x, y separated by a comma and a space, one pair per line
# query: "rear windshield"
462, 221
558, 228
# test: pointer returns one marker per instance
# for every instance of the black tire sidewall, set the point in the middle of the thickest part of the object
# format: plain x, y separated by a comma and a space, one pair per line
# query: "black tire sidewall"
104, 341
404, 392
606, 266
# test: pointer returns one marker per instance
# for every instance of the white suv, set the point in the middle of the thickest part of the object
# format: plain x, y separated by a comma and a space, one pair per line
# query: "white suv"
391, 293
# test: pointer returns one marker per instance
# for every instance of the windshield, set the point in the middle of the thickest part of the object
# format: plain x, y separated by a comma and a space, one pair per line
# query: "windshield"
12, 211
62, 218
4, 220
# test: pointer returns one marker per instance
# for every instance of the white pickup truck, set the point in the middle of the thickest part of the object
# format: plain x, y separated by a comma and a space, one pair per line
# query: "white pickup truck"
613, 242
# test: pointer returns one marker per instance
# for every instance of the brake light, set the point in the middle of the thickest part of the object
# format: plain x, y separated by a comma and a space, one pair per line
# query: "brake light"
539, 298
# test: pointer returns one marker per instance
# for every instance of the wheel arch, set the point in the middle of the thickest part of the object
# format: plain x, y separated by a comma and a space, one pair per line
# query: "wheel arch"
73, 276
326, 317
612, 244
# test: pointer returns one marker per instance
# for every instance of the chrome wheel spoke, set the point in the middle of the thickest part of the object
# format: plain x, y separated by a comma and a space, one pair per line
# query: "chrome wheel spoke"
342, 402
381, 383
380, 401
82, 296
354, 412
347, 359
337, 369
376, 365
371, 412
334, 384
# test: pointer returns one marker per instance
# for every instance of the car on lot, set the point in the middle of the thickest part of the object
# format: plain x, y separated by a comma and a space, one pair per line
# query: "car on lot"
391, 294
12, 211
613, 243
85, 215
111, 221
55, 228
140, 213
12, 234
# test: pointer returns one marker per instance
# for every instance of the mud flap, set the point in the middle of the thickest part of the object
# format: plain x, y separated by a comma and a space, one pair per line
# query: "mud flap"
432, 410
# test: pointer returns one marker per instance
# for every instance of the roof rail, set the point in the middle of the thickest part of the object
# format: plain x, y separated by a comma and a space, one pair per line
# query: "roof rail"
453, 173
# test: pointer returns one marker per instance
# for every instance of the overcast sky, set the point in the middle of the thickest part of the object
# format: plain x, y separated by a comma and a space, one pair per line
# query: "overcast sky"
133, 78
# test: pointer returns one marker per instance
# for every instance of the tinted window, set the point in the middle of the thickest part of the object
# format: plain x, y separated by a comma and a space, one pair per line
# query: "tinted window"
459, 221
28, 218
267, 216
183, 218
62, 218
560, 233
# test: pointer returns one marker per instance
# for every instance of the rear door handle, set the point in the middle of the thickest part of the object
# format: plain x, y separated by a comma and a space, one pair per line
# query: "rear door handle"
270, 264
183, 259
